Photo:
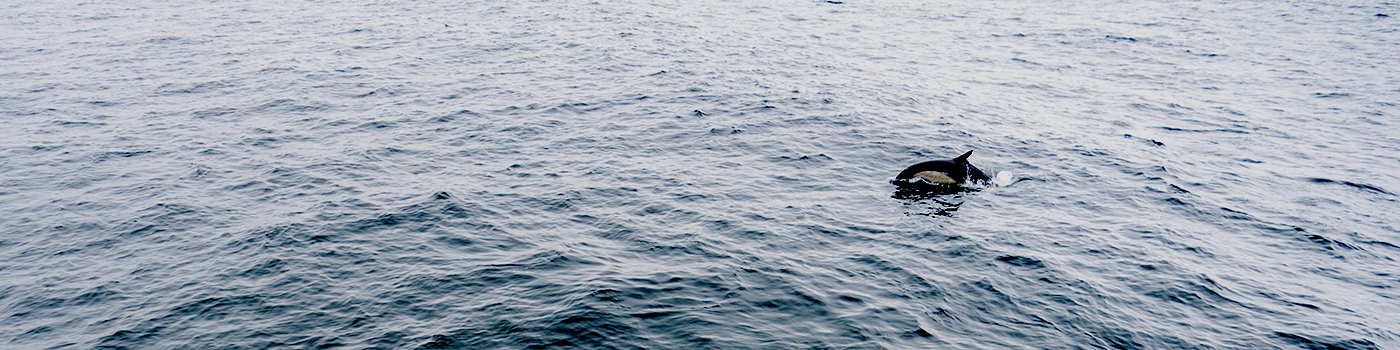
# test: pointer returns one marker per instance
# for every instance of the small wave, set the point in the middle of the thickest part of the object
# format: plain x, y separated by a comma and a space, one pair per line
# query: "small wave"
1205, 130
1361, 186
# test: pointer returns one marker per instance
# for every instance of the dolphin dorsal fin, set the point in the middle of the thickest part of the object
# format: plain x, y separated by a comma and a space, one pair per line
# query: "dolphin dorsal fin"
963, 158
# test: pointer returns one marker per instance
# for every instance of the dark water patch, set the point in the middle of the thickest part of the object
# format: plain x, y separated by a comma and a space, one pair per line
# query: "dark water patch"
1205, 130
794, 302
553, 260
1310, 343
441, 222
127, 339
804, 158
288, 182
270, 267
143, 231
1170, 108
663, 307
376, 92
168, 39
289, 106
46, 148
77, 123
277, 237
420, 290
1326, 243
689, 251
1332, 95
162, 217
1310, 306
613, 230
1202, 294
213, 112
578, 108
729, 130
908, 283
1360, 186
1149, 141
455, 116
219, 308
104, 156
61, 299
266, 142
372, 126
668, 293
561, 202
177, 325
1381, 244
191, 88
197, 172
1021, 261
1235, 214
820, 120
389, 152
585, 329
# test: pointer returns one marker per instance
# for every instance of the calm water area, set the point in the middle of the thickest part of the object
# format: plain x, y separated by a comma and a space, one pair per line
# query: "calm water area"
257, 174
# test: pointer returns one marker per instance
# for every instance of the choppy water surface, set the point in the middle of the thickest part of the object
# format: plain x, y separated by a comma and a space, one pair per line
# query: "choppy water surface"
677, 174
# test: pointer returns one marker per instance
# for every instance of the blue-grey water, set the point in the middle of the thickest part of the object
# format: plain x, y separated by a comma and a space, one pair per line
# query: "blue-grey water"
698, 174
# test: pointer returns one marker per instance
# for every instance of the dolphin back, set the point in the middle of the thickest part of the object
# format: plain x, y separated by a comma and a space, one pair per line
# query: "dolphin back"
958, 169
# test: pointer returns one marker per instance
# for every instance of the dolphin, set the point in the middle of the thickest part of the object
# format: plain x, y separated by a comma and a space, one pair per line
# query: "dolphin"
947, 172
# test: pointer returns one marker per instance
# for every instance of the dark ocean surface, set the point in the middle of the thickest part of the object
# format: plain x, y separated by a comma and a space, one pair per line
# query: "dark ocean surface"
698, 175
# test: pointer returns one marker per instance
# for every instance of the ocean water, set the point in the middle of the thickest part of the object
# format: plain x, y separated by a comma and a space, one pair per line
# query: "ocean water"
698, 175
